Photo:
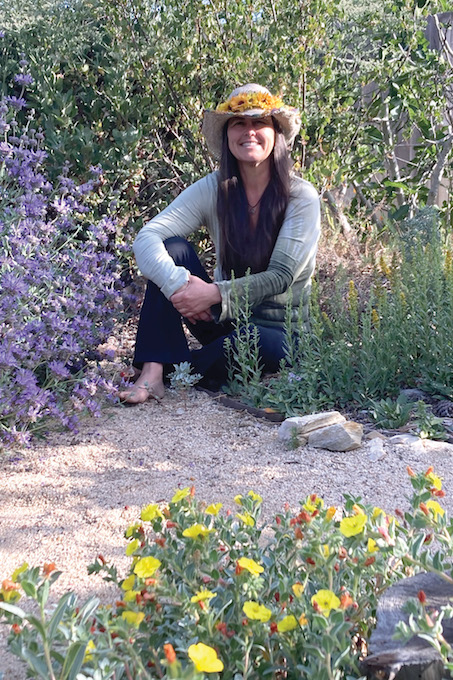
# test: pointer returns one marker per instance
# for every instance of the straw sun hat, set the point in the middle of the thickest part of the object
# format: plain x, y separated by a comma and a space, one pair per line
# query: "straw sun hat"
249, 100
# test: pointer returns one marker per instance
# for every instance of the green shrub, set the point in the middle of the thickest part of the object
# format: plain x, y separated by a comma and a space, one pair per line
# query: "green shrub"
210, 592
359, 353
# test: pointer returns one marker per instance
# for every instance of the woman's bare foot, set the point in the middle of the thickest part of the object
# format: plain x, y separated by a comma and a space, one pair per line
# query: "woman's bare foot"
149, 385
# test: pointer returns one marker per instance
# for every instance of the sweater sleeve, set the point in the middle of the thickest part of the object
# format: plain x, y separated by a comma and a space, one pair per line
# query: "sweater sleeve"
187, 213
293, 257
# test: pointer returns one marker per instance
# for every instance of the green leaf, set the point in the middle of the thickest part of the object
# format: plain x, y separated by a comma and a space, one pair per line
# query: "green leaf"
74, 660
37, 664
29, 588
12, 609
88, 609
67, 600
36, 623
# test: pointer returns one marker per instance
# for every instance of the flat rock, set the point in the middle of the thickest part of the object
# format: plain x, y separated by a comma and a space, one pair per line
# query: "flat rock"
375, 434
306, 424
344, 436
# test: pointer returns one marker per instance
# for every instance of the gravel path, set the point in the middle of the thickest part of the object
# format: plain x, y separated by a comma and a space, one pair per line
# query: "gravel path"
71, 498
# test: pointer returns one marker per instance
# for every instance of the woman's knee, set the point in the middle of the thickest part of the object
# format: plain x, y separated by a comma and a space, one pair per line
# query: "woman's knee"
180, 250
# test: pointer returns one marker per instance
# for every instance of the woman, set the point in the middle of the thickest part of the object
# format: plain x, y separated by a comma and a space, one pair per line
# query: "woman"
262, 220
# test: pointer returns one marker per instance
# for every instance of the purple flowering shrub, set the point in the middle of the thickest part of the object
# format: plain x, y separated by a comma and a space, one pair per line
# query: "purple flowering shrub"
59, 286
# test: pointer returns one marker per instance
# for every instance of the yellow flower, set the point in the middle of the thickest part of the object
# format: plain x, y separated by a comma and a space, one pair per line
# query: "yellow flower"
351, 526
180, 494
326, 550
256, 612
130, 530
238, 499
19, 570
247, 518
325, 600
303, 620
255, 497
151, 512
213, 509
88, 649
313, 503
287, 624
128, 582
377, 512
435, 480
197, 531
201, 595
298, 589
436, 508
133, 618
330, 512
205, 658
131, 595
147, 567
251, 566
372, 546
132, 547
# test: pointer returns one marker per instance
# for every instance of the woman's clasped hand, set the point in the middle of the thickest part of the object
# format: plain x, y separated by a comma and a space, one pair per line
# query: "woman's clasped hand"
195, 298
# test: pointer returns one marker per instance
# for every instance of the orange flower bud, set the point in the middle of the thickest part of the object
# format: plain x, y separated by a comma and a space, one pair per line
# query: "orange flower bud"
48, 568
421, 596
440, 493
330, 512
424, 509
336, 566
150, 581
16, 628
298, 533
8, 585
342, 553
429, 471
369, 560
346, 601
102, 559
160, 541
273, 627
278, 520
221, 627
192, 491
171, 525
311, 561
170, 653
410, 471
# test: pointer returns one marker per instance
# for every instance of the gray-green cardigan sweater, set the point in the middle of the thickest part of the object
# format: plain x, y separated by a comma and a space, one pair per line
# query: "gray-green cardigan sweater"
290, 267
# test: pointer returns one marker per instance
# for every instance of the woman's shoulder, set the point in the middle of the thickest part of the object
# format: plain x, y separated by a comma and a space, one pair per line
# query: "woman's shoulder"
302, 189
207, 183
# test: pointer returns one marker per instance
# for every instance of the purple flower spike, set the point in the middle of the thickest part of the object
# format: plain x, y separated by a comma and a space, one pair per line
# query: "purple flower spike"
23, 79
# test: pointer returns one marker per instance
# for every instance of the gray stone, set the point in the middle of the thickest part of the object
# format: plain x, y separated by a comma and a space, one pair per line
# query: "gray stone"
339, 437
305, 424
375, 450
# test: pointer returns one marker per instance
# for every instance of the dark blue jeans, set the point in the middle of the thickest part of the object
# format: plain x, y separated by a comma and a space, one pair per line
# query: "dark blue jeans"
161, 338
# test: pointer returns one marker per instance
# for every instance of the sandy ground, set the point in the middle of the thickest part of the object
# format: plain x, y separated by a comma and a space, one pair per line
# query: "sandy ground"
70, 498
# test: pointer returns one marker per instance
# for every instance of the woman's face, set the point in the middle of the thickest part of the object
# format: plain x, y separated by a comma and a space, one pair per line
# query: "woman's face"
251, 140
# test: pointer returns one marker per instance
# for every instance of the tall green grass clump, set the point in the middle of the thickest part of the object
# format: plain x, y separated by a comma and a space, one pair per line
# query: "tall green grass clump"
402, 336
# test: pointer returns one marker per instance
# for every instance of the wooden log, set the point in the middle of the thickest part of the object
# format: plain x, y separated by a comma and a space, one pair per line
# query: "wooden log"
390, 659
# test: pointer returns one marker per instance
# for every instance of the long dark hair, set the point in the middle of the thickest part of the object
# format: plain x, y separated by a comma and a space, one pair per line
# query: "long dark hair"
242, 247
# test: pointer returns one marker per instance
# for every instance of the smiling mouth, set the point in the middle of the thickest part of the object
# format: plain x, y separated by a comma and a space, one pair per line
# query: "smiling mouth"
250, 144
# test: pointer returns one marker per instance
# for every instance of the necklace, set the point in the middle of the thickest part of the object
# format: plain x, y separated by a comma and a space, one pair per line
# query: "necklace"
252, 208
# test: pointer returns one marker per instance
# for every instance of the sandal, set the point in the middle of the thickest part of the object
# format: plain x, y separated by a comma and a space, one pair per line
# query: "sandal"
150, 395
